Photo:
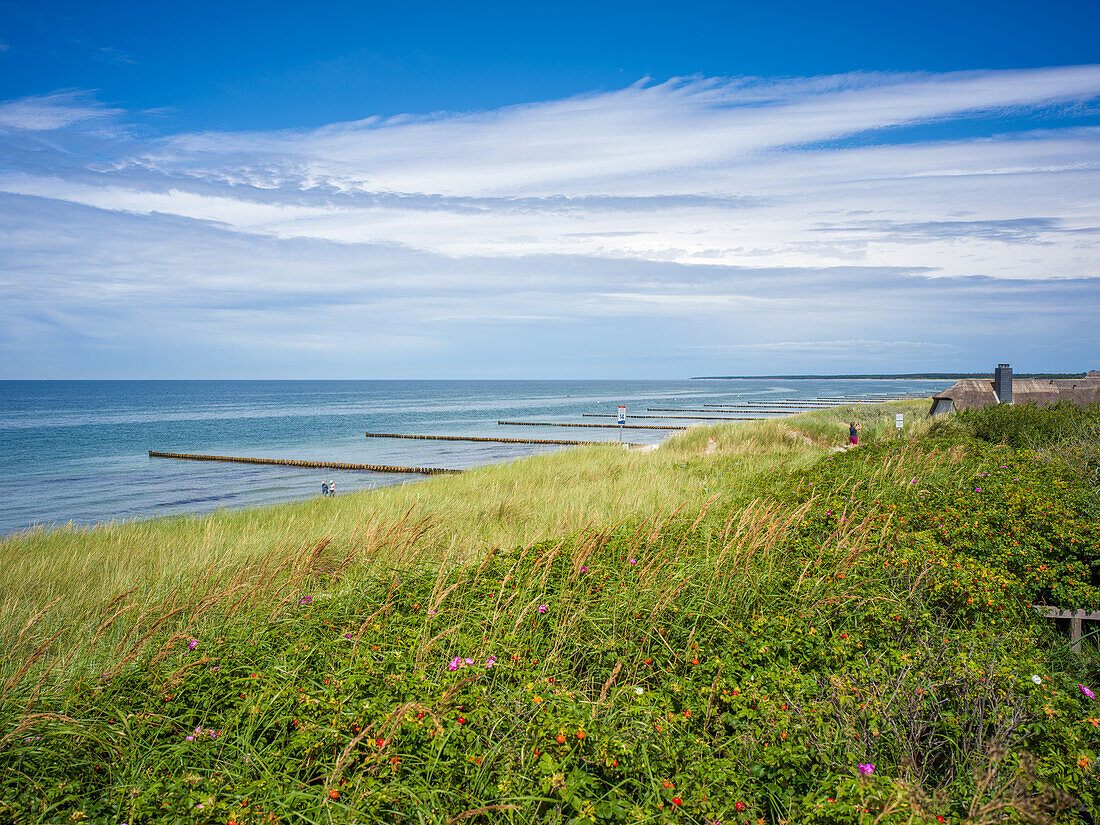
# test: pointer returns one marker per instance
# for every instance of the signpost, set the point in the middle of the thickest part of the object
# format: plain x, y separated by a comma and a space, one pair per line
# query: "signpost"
622, 420
899, 420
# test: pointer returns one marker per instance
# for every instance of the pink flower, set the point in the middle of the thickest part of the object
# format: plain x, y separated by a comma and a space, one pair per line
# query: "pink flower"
1087, 692
543, 608
633, 561
454, 664
192, 644
467, 661
584, 569
977, 489
867, 769
492, 660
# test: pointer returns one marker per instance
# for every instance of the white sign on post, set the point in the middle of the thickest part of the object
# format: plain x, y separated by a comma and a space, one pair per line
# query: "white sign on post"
898, 420
622, 415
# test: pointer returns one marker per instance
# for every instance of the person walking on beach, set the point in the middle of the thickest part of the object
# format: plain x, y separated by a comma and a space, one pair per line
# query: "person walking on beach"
324, 489
853, 432
331, 487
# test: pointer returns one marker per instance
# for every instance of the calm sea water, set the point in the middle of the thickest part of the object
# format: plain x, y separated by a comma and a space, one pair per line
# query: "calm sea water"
78, 450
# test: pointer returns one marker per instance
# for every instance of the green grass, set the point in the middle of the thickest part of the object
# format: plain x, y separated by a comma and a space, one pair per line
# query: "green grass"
723, 629
455, 517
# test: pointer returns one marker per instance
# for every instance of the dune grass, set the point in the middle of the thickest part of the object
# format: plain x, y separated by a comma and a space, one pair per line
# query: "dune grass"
747, 625
454, 517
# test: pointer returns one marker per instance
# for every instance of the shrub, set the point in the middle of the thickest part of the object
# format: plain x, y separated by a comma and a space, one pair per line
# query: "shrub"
1028, 425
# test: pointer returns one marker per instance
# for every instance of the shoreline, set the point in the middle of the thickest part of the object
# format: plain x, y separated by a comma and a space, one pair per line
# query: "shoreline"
72, 526
266, 507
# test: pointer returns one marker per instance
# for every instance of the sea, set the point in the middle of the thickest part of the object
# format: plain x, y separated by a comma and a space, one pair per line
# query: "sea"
78, 451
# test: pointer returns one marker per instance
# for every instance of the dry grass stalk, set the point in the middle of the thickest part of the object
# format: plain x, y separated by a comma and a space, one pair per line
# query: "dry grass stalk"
110, 620
17, 677
30, 721
545, 563
522, 613
36, 617
176, 676
133, 629
58, 659
153, 628
166, 648
438, 600
422, 651
610, 681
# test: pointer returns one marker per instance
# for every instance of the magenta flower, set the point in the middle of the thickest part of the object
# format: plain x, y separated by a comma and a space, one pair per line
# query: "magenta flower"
543, 608
867, 769
454, 664
1087, 692
977, 489
633, 561
584, 569
492, 660
192, 644
306, 600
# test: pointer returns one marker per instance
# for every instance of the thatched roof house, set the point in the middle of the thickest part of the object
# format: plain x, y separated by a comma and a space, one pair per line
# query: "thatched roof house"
980, 392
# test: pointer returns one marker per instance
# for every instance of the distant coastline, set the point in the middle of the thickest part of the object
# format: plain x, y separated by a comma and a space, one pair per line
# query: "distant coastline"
908, 376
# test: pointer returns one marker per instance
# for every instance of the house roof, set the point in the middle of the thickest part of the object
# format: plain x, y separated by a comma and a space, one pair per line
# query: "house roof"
978, 392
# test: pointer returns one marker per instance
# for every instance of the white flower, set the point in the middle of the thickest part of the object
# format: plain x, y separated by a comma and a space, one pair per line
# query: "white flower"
1037, 679
639, 691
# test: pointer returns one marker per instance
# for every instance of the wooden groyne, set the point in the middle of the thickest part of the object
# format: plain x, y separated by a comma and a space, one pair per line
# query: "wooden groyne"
674, 417
611, 426
760, 410
764, 408
500, 440
291, 462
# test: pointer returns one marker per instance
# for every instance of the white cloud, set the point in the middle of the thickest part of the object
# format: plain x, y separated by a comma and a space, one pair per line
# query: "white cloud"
52, 112
784, 217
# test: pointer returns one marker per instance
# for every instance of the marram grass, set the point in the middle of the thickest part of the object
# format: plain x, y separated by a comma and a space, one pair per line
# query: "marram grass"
745, 626
458, 517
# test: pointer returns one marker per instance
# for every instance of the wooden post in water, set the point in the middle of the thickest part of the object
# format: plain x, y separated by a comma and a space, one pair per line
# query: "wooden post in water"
292, 462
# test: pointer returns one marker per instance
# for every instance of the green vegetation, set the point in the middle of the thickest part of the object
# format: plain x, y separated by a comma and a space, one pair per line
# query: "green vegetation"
748, 625
1063, 434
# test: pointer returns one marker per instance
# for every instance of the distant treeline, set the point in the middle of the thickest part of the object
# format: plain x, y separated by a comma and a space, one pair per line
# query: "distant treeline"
909, 375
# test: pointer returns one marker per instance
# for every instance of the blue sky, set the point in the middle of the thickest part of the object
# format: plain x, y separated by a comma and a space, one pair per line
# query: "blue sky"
547, 190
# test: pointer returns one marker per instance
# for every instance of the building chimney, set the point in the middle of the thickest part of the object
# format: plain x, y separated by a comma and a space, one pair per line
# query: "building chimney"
1002, 383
